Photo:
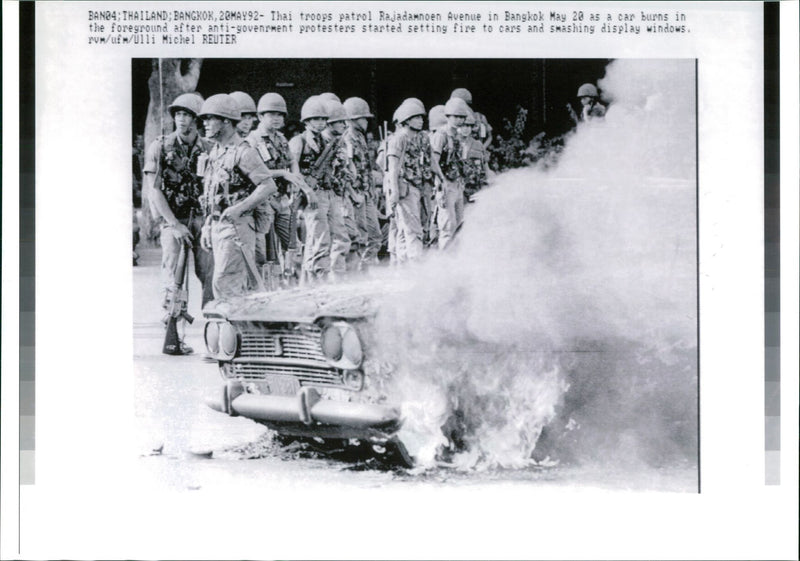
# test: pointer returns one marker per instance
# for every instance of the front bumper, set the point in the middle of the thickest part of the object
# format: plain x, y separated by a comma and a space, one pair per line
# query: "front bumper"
308, 414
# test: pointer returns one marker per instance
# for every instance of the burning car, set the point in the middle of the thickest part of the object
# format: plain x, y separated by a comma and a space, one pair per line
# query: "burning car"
298, 361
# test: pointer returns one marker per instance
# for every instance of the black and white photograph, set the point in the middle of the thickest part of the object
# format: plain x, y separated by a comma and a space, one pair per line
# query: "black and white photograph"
417, 270
399, 280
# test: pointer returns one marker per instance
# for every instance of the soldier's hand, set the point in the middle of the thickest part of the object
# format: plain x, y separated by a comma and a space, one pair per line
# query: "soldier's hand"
182, 233
293, 178
205, 237
231, 213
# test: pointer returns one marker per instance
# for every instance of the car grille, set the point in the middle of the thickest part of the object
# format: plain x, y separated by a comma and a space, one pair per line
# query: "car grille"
281, 351
283, 343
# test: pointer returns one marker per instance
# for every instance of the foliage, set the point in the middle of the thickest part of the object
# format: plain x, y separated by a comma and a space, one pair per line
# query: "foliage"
511, 151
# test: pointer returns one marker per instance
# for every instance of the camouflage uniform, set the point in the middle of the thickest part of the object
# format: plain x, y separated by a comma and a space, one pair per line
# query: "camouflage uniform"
233, 172
356, 153
327, 242
474, 166
182, 189
273, 148
426, 189
449, 216
405, 145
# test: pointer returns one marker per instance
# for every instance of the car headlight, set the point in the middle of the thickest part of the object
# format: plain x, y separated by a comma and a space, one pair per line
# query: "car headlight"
211, 335
228, 341
341, 345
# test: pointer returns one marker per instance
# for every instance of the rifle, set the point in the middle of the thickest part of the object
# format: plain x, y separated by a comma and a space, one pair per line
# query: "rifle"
320, 166
294, 251
177, 299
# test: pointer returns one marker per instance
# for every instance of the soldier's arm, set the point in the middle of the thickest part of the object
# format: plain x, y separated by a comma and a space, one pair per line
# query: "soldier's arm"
251, 165
152, 185
437, 145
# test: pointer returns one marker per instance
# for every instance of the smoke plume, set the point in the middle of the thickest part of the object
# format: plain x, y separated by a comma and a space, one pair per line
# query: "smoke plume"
562, 324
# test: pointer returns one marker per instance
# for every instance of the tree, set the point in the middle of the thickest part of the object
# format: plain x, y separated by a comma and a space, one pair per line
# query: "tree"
175, 76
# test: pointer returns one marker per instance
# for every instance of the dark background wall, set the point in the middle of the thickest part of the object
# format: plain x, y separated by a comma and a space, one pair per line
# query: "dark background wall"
498, 86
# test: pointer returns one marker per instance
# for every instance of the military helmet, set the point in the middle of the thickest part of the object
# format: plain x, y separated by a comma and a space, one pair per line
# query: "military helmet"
314, 107
408, 109
357, 108
587, 90
462, 93
221, 105
246, 103
336, 111
471, 118
190, 102
272, 102
456, 106
328, 96
436, 118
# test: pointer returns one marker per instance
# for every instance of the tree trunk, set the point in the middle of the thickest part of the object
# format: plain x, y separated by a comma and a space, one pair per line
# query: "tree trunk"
177, 76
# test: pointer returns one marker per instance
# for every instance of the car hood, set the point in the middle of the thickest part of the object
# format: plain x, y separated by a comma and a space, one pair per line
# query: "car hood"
305, 305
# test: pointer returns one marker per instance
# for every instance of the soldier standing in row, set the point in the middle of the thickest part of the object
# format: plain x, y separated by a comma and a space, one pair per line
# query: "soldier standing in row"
447, 165
404, 153
474, 158
273, 148
484, 129
312, 155
364, 197
175, 188
236, 182
341, 219
436, 120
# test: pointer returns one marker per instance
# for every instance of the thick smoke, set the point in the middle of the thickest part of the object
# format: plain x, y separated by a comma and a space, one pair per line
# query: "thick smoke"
567, 310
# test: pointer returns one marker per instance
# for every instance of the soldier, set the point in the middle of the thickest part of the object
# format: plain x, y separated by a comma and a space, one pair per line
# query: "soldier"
363, 197
591, 108
436, 120
389, 232
340, 181
273, 148
448, 167
175, 188
236, 182
326, 236
405, 178
484, 129
474, 158
247, 107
